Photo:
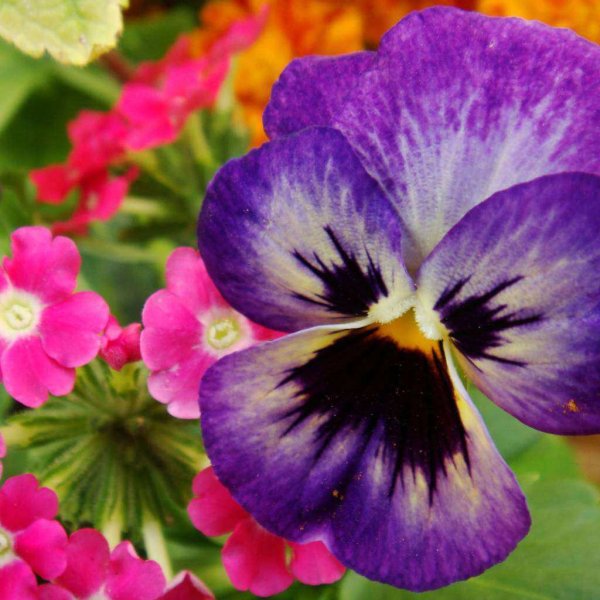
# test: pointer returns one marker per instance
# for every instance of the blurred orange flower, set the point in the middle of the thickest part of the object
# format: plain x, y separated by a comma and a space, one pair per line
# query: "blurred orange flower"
299, 27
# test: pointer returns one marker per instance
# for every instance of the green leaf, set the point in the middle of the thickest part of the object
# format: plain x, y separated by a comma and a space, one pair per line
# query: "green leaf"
510, 435
72, 31
558, 560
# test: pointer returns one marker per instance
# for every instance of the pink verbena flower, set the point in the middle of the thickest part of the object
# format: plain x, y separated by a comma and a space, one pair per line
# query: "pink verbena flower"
120, 345
256, 560
188, 327
46, 330
98, 141
29, 533
164, 94
93, 571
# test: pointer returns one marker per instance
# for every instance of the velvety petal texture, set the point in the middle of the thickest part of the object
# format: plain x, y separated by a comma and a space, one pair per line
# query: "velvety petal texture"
517, 285
296, 234
442, 129
349, 438
304, 95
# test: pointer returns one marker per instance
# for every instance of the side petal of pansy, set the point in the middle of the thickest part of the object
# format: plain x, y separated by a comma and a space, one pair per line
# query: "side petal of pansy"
359, 439
297, 234
516, 283
456, 107
304, 95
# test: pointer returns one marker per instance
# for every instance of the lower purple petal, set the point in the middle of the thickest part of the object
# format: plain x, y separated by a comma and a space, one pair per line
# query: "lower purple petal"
347, 438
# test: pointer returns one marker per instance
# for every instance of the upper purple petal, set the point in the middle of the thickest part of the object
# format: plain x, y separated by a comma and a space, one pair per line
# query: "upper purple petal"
349, 438
517, 284
455, 107
311, 91
296, 234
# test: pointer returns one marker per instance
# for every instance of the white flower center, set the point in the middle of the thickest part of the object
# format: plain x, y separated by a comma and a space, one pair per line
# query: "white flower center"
6, 548
223, 333
19, 314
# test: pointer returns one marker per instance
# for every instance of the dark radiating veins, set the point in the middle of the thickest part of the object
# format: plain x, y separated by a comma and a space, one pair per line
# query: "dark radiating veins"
476, 324
402, 399
348, 289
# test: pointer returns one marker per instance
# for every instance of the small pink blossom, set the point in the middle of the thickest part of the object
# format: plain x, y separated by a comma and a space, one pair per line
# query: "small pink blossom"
254, 559
28, 532
93, 571
120, 345
187, 327
46, 330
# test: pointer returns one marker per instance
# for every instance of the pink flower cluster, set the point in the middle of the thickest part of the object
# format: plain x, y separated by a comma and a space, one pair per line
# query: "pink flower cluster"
46, 328
256, 560
187, 327
151, 111
33, 543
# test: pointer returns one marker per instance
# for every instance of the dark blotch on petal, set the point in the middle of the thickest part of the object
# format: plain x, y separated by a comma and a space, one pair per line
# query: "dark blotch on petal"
476, 323
366, 383
348, 289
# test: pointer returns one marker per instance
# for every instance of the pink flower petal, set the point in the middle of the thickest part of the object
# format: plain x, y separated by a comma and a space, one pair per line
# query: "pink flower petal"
17, 582
120, 346
88, 558
29, 373
22, 502
71, 330
213, 511
179, 386
254, 560
41, 265
148, 113
171, 331
53, 592
188, 279
313, 564
42, 546
131, 578
187, 586
53, 183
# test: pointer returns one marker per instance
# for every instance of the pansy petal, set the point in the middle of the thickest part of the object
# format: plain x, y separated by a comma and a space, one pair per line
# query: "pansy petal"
297, 234
517, 284
311, 91
255, 560
349, 438
461, 106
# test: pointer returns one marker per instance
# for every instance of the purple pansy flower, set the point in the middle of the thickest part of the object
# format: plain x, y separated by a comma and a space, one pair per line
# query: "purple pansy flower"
436, 202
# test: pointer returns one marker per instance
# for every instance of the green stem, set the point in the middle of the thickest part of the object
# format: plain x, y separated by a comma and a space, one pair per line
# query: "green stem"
15, 435
112, 530
143, 207
156, 547
148, 162
194, 133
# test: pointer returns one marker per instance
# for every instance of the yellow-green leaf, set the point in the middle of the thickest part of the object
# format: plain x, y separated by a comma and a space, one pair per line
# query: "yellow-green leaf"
72, 31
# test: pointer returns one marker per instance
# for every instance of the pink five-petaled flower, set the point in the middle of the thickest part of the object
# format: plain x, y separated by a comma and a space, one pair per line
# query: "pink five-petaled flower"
187, 328
46, 330
93, 571
255, 559
120, 345
29, 536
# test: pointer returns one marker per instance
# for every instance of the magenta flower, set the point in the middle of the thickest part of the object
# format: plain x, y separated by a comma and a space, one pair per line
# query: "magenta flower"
17, 582
120, 345
256, 560
98, 141
187, 328
29, 534
46, 330
93, 571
